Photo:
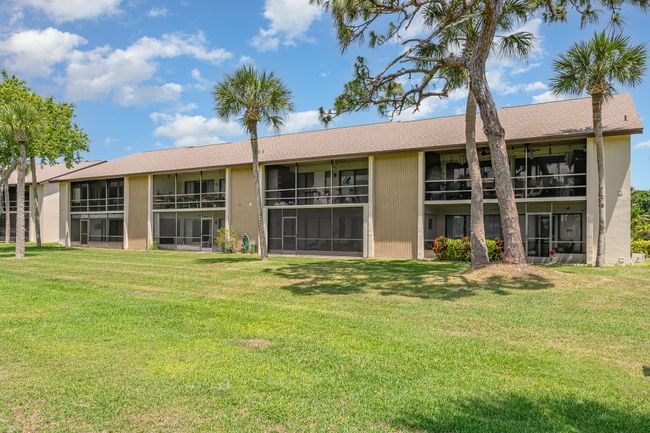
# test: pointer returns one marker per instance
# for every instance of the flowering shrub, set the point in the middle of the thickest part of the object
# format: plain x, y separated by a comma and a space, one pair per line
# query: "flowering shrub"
641, 246
459, 250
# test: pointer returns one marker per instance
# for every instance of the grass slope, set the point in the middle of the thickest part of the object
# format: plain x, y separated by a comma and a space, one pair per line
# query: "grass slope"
125, 341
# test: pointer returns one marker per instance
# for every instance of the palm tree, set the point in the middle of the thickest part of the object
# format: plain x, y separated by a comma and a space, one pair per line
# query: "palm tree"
595, 67
253, 97
20, 123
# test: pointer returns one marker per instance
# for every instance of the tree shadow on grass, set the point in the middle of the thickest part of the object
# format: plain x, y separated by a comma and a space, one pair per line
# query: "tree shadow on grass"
516, 413
226, 259
9, 250
419, 279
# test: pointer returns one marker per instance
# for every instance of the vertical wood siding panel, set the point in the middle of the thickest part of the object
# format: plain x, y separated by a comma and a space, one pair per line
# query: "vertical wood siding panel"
137, 215
242, 202
396, 206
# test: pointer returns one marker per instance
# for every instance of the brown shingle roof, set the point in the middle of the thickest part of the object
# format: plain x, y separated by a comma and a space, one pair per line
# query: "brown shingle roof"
50, 172
562, 119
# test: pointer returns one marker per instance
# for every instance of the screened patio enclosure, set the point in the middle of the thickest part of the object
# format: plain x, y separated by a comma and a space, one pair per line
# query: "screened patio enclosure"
190, 190
318, 231
553, 228
542, 170
187, 230
12, 214
103, 230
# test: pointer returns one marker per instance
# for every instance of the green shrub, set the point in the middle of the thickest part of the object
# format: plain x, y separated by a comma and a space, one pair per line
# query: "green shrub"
495, 249
641, 247
153, 246
228, 240
459, 250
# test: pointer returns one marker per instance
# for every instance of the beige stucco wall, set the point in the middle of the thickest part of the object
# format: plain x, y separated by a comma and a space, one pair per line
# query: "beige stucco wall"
48, 197
617, 188
64, 214
138, 208
242, 211
395, 201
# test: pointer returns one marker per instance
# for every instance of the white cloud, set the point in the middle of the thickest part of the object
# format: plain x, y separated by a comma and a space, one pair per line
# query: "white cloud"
548, 96
643, 144
537, 85
34, 52
103, 71
157, 12
427, 108
193, 130
525, 67
301, 121
71, 10
130, 95
245, 60
289, 20
201, 82
500, 84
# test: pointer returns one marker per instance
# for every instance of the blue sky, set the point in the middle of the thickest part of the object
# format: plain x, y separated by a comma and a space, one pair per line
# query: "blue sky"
140, 71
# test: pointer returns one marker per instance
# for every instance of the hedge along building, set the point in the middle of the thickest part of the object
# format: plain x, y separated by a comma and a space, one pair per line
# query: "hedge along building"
48, 201
380, 190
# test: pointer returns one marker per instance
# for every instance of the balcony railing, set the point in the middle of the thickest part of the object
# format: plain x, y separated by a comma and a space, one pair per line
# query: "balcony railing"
204, 200
542, 186
325, 195
13, 204
98, 205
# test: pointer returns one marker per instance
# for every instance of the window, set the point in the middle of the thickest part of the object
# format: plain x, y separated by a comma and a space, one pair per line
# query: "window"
305, 180
192, 187
567, 233
459, 226
493, 227
456, 226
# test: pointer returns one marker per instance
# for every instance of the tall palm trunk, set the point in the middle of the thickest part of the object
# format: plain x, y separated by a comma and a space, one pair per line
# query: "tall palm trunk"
7, 214
34, 199
479, 251
20, 203
258, 194
597, 113
513, 251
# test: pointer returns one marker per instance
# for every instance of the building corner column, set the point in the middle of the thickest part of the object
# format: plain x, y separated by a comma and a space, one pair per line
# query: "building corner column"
371, 208
149, 212
591, 238
420, 237
227, 204
125, 241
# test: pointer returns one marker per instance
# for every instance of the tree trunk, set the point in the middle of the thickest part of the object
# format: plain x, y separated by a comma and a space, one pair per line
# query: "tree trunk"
258, 195
597, 112
34, 199
20, 203
479, 250
7, 215
513, 251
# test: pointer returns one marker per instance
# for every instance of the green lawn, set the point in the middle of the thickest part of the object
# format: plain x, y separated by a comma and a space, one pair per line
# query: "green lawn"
117, 341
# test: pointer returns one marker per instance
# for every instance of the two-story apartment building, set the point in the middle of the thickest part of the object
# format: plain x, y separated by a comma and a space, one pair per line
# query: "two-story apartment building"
48, 201
380, 190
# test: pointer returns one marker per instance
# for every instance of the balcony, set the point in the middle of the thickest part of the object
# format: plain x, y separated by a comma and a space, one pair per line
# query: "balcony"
98, 205
206, 200
13, 205
342, 182
551, 170
190, 190
541, 186
326, 195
